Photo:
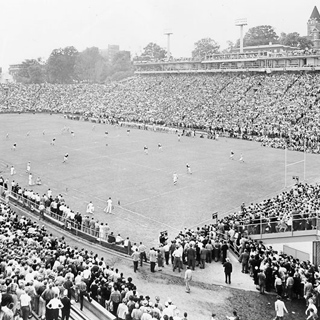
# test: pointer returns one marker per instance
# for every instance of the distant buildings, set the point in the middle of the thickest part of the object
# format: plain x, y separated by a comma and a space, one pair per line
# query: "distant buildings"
15, 68
109, 53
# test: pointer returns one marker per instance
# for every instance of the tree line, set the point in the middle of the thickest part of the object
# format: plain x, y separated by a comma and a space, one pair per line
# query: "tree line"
67, 65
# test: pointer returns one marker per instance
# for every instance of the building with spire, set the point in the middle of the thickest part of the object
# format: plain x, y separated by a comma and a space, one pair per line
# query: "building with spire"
314, 28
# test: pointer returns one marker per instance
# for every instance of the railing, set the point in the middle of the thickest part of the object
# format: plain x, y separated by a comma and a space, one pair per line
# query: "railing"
82, 230
295, 226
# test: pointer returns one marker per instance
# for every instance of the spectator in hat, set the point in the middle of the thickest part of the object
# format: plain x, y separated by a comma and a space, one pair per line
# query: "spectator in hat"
227, 270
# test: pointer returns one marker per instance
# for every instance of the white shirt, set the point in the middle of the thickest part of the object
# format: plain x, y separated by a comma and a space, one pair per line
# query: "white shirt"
280, 308
25, 299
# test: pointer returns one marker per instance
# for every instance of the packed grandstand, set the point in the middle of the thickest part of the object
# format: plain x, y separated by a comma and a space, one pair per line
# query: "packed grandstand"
278, 110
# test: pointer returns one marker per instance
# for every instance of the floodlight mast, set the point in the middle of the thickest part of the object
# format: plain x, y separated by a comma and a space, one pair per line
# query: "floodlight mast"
240, 23
168, 34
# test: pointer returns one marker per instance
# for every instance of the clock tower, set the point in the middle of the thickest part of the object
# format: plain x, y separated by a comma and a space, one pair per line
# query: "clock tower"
314, 28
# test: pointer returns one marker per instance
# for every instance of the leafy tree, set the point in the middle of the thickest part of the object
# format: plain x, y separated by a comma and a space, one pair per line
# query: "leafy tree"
205, 47
260, 35
61, 65
294, 39
121, 66
153, 52
230, 46
89, 65
31, 71
122, 61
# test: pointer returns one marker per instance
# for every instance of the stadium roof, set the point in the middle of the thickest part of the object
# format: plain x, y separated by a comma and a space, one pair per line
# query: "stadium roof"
315, 14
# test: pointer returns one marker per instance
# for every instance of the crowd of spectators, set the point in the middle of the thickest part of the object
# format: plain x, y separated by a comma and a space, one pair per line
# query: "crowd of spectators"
278, 110
42, 273
271, 270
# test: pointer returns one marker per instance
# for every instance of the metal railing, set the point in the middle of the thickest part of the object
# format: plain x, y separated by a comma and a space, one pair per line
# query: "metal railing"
67, 223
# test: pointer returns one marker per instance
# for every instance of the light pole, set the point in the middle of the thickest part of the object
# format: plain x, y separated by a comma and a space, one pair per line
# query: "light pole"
168, 33
240, 23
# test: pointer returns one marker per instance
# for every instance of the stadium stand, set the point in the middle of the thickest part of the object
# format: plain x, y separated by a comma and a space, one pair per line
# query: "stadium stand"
278, 110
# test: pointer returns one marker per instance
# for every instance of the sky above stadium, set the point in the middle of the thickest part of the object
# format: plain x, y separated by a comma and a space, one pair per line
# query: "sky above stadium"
33, 28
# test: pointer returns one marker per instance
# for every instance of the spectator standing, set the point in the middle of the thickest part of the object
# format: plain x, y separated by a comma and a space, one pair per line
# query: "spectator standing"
289, 286
143, 256
115, 299
177, 256
244, 260
191, 256
280, 308
82, 286
227, 270
278, 285
160, 257
262, 281
224, 250
53, 308
153, 259
203, 257
188, 278
47, 295
122, 310
25, 305
66, 302
135, 257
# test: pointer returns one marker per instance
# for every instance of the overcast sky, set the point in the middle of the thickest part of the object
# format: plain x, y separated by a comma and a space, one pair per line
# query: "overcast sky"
33, 28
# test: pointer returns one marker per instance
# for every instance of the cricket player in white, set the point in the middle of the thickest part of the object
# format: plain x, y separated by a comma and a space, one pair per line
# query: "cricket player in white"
241, 158
12, 171
30, 179
175, 178
231, 155
108, 209
188, 169
90, 208
28, 167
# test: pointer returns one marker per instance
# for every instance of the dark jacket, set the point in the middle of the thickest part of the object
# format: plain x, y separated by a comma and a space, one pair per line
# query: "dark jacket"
227, 267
